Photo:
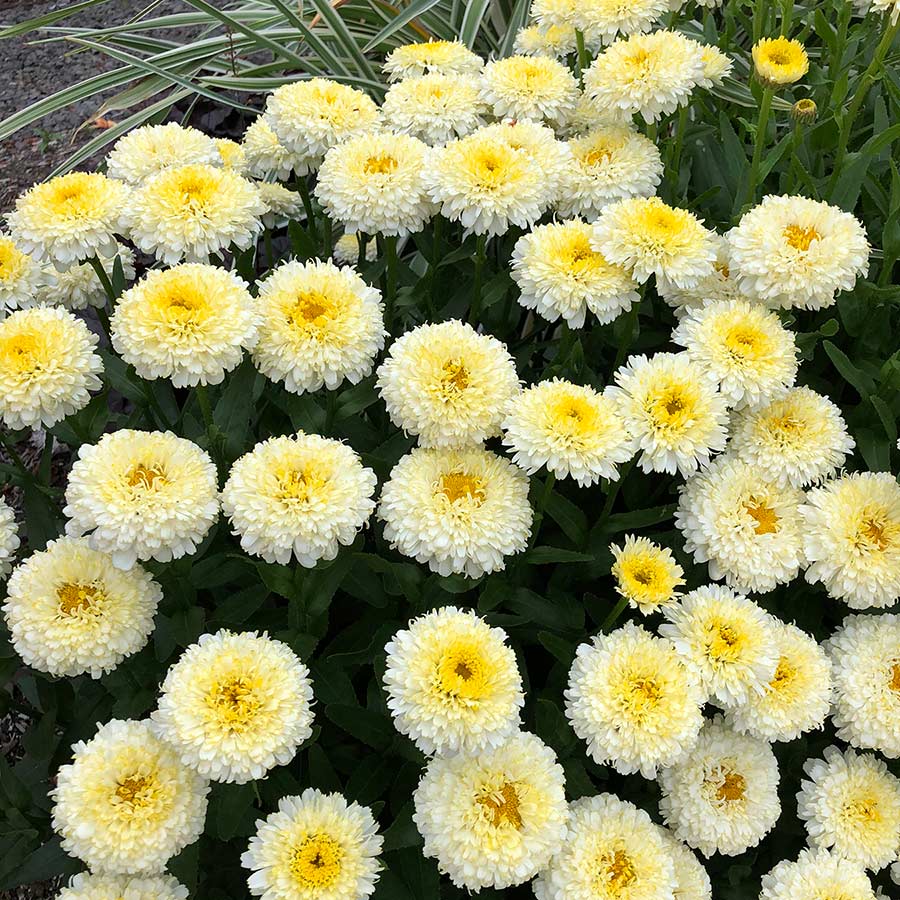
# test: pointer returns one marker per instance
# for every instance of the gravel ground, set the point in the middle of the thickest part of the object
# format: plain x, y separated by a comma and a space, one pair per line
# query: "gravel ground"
30, 71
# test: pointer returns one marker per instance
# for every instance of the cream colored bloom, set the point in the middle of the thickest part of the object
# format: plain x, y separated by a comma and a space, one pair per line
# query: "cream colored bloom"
748, 529
718, 285
716, 65
186, 213
20, 276
559, 274
646, 574
612, 851
612, 162
865, 654
265, 156
448, 384
302, 496
891, 10
723, 798
432, 57
314, 847
852, 538
651, 74
648, 237
551, 40
850, 803
794, 251
494, 819
434, 108
141, 495
799, 439
779, 61
727, 640
529, 87
235, 705
571, 429
69, 610
190, 324
126, 804
232, 155
282, 205
633, 699
310, 117
816, 874
48, 367
150, 149
321, 325
456, 510
70, 218
9, 538
376, 183
798, 697
743, 347
79, 286
123, 887
453, 684
671, 408
691, 878
346, 250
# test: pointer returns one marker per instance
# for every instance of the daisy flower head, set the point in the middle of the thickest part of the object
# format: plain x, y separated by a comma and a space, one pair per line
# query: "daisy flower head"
190, 324
150, 149
793, 251
70, 218
669, 405
852, 538
557, 13
646, 574
435, 108
649, 237
9, 537
612, 162
235, 705
80, 286
890, 9
314, 845
612, 851
798, 697
303, 496
850, 804
798, 439
321, 325
20, 276
86, 886
432, 57
486, 184
816, 874
496, 818
448, 384
310, 117
748, 529
346, 250
453, 684
559, 274
589, 115
186, 213
551, 40
651, 74
376, 183
726, 639
282, 205
723, 797
691, 878
126, 804
743, 347
633, 699
779, 61
232, 155
142, 495
571, 429
602, 21
716, 65
865, 654
48, 367
69, 610
456, 510
266, 157
718, 285
529, 87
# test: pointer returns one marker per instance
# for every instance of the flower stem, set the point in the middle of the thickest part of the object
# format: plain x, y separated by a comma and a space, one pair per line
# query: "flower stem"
12, 453
303, 189
759, 143
390, 252
583, 59
480, 257
614, 615
541, 505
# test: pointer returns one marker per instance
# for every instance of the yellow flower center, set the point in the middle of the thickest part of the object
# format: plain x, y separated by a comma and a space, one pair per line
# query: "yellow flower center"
573, 416
461, 486
490, 166
894, 683
785, 673
462, 673
637, 63
317, 861
22, 352
75, 598
136, 790
722, 269
70, 196
617, 872
864, 810
196, 187
800, 237
732, 787
11, 259
765, 517
640, 695
876, 532
235, 702
182, 306
503, 806
300, 484
745, 342
454, 377
382, 164
672, 407
576, 257
147, 478
724, 642
311, 308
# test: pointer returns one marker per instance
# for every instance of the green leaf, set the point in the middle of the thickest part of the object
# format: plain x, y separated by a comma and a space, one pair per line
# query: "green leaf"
369, 727
850, 372
538, 556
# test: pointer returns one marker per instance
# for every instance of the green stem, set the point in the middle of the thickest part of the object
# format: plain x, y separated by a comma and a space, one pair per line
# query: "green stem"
480, 257
834, 64
270, 252
583, 58
541, 505
628, 340
326, 240
11, 452
760, 15
787, 16
361, 241
103, 316
212, 436
97, 266
390, 297
330, 410
437, 235
613, 617
679, 141
759, 143
303, 189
